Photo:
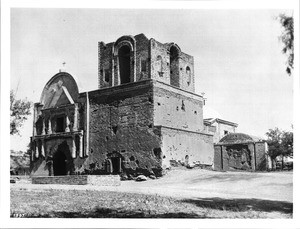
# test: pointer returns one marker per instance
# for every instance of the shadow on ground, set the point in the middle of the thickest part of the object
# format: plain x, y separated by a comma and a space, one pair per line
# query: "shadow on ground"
226, 177
241, 205
112, 213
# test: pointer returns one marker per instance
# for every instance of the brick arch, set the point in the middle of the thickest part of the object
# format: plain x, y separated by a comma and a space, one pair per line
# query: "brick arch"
128, 38
125, 69
174, 53
174, 45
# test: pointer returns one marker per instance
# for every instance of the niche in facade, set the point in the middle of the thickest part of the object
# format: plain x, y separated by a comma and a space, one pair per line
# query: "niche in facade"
124, 64
60, 124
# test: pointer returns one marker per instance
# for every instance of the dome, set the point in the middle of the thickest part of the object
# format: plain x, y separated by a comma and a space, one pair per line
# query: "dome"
237, 138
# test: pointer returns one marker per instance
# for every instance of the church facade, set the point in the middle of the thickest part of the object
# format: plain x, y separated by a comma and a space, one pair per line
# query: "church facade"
144, 115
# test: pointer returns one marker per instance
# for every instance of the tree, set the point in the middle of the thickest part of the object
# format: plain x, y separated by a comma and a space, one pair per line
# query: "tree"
287, 38
280, 144
287, 143
19, 111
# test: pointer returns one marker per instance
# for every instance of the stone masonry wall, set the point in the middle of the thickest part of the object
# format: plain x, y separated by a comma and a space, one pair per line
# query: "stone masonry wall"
103, 180
121, 121
151, 59
105, 68
108, 69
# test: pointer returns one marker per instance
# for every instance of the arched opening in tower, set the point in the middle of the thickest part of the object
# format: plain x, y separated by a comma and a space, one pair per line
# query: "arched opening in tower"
174, 66
124, 64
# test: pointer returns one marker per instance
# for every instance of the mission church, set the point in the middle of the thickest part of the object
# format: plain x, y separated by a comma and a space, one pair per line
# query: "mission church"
143, 117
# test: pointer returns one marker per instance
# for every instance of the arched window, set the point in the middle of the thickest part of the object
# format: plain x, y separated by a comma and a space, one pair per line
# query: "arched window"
188, 74
124, 64
174, 66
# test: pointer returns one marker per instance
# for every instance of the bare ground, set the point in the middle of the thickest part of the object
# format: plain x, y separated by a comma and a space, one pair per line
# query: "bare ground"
214, 194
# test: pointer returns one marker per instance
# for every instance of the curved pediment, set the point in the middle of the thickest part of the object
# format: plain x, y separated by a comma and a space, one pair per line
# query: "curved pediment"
60, 90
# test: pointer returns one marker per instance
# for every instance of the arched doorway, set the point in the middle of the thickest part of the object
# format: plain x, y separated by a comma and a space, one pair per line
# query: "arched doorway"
60, 164
114, 162
124, 64
174, 66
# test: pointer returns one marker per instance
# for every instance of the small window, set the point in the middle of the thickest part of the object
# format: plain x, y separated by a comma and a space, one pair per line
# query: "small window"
60, 124
106, 75
188, 73
143, 65
225, 132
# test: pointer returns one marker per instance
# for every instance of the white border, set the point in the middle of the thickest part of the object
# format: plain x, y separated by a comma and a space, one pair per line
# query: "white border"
134, 223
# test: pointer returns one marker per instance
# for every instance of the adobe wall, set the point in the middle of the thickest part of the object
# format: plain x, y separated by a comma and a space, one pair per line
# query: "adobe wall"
160, 60
261, 156
160, 66
186, 147
142, 57
256, 160
218, 158
121, 121
176, 108
187, 79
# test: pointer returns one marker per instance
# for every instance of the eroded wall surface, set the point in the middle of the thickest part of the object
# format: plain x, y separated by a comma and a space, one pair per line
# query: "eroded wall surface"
248, 156
176, 108
186, 147
121, 124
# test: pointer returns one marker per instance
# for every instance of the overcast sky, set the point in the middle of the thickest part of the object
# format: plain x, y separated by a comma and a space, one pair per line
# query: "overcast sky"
238, 60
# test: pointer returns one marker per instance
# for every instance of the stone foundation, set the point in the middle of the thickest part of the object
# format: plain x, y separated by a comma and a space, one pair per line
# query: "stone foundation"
103, 180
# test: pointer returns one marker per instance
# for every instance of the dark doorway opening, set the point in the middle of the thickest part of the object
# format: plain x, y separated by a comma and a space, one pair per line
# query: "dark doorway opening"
174, 66
124, 64
60, 164
116, 165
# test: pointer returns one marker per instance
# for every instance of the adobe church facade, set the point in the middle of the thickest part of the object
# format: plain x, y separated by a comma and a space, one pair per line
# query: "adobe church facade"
143, 116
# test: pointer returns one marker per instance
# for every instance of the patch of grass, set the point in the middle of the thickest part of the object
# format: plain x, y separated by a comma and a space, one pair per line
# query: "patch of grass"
104, 204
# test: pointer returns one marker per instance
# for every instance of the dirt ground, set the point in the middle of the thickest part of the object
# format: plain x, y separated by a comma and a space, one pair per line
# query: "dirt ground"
201, 184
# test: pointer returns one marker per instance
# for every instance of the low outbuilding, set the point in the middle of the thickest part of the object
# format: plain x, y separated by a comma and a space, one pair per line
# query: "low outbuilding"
241, 151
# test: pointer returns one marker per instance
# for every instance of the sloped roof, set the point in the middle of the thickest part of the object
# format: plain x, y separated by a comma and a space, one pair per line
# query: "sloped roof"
210, 121
239, 138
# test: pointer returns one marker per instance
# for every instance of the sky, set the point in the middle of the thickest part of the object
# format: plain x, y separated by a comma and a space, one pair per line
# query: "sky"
238, 62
